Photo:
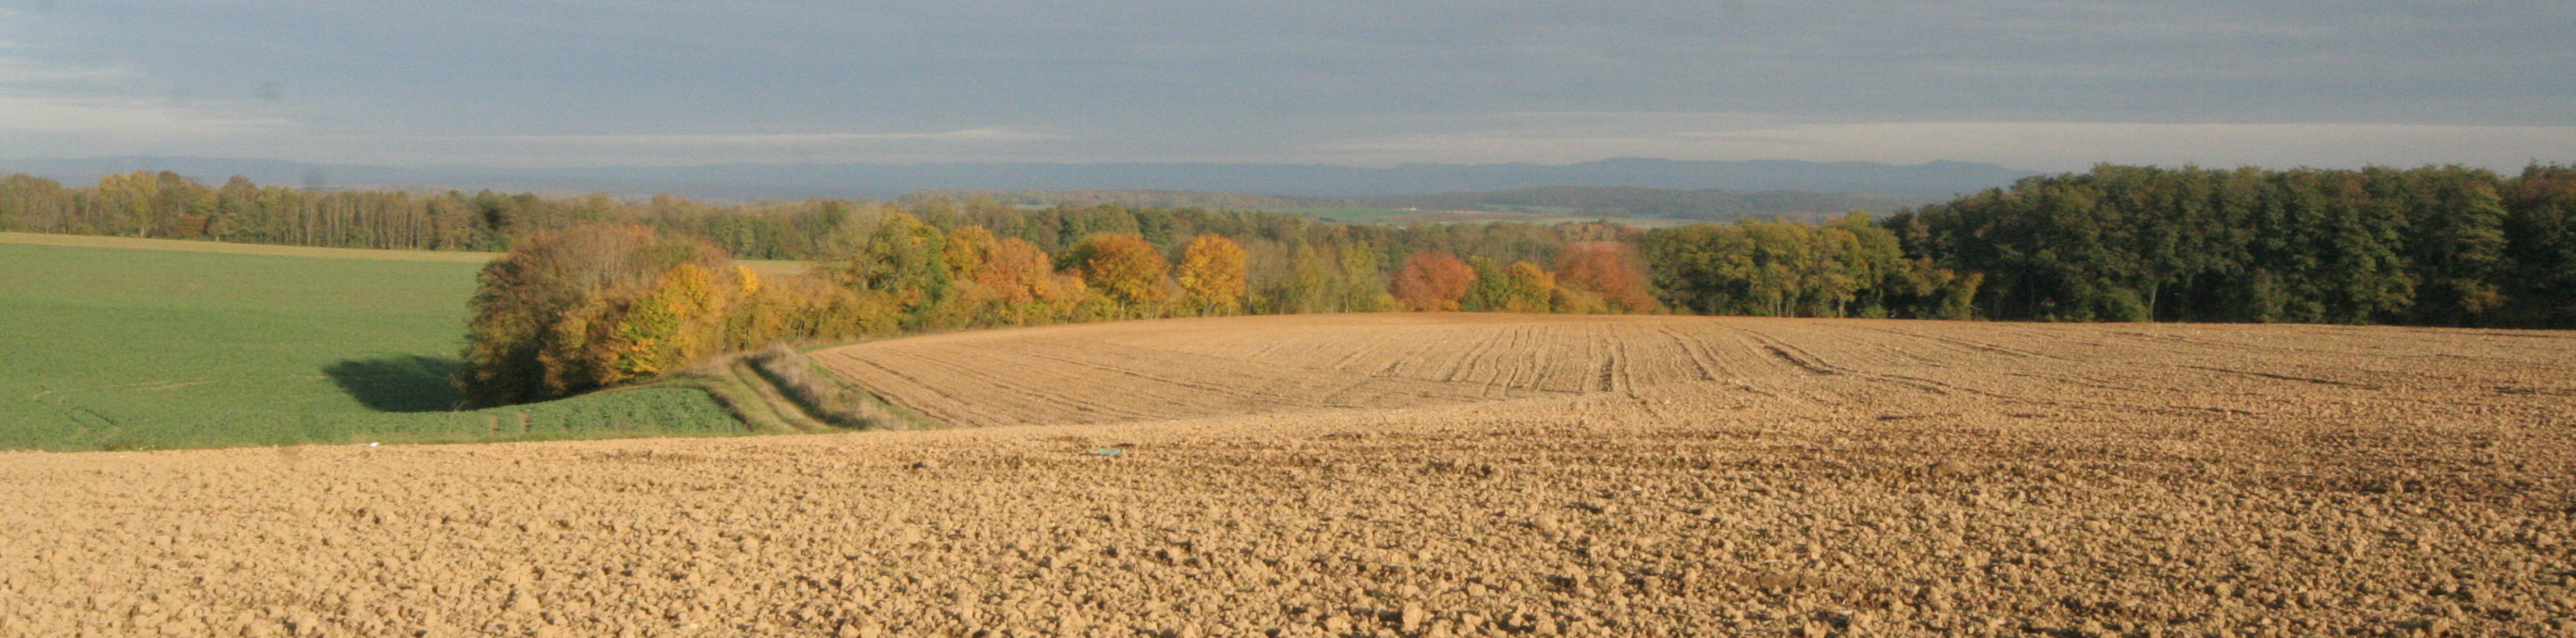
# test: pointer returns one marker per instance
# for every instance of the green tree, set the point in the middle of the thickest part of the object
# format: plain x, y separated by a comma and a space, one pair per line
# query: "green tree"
899, 257
2456, 242
2540, 228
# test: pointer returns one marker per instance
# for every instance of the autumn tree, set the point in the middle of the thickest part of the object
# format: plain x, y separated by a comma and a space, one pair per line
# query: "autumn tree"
1609, 270
1126, 268
1526, 288
676, 322
539, 311
1432, 282
1006, 282
1022, 272
967, 251
1211, 274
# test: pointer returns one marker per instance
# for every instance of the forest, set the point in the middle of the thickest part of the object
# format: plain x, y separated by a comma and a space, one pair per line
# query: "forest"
598, 290
2440, 246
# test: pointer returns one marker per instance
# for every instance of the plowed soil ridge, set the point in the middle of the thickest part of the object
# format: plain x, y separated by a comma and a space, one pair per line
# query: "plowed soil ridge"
1418, 475
1195, 368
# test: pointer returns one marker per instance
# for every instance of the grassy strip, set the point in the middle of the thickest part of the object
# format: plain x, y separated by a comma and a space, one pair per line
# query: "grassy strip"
649, 411
779, 390
817, 393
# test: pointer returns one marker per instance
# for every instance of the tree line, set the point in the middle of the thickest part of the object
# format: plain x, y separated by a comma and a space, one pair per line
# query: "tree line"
598, 290
169, 205
594, 306
2440, 245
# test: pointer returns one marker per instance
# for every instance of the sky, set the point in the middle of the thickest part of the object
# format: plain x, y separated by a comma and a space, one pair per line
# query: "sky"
2034, 85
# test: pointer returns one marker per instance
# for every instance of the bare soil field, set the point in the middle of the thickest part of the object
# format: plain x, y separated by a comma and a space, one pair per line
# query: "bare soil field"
1418, 475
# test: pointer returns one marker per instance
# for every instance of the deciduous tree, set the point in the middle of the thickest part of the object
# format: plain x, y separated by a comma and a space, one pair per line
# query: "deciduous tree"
540, 310
1432, 282
1126, 268
1212, 274
1609, 270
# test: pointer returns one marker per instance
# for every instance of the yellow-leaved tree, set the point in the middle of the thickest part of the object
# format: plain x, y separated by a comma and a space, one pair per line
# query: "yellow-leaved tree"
1127, 268
1527, 288
1212, 276
676, 322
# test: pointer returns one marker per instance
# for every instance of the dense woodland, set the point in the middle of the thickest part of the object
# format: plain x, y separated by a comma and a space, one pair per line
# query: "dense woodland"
598, 291
2444, 246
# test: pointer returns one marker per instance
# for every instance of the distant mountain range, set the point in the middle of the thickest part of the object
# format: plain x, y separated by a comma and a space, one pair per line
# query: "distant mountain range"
886, 181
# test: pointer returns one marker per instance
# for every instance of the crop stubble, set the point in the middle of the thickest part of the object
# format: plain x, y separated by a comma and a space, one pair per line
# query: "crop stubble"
1419, 475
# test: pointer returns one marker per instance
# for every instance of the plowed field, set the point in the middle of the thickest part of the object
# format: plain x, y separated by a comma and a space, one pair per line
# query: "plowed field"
1435, 475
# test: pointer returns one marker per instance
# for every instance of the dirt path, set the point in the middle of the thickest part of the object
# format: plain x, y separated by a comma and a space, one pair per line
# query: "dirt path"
1451, 475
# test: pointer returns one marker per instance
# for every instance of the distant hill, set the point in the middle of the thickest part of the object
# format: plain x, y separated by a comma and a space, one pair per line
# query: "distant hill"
1665, 203
1548, 202
1135, 198
883, 181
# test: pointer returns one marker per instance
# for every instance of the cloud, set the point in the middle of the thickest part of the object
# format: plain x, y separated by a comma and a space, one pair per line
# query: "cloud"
2054, 146
788, 139
125, 120
38, 97
1336, 81
2077, 145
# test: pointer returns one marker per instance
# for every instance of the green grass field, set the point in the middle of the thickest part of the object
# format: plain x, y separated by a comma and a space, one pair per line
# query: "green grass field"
145, 348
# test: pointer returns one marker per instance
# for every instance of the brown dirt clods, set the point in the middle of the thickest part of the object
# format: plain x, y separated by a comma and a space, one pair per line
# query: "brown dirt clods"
1417, 475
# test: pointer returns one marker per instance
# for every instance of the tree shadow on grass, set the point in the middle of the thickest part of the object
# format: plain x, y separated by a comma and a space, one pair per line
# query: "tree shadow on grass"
406, 383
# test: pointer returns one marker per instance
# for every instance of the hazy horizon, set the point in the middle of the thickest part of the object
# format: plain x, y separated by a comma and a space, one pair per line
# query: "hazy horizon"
880, 181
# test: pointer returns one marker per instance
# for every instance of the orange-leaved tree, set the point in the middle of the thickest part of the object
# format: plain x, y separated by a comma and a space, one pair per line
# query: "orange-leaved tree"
1002, 282
1021, 272
1432, 282
1126, 267
1211, 273
1610, 270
